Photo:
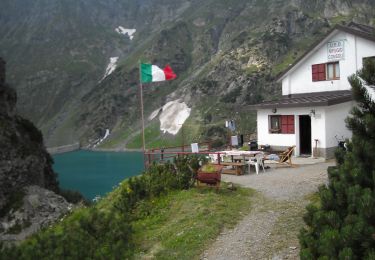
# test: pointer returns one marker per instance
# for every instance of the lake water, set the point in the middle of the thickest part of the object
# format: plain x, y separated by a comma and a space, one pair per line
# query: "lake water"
96, 173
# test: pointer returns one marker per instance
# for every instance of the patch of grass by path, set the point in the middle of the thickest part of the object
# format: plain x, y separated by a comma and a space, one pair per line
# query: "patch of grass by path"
284, 235
183, 223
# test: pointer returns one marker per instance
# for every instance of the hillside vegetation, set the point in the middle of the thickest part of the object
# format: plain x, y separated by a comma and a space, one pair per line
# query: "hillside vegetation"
158, 214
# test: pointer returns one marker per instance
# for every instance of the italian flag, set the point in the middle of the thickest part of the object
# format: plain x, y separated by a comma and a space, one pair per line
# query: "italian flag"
152, 73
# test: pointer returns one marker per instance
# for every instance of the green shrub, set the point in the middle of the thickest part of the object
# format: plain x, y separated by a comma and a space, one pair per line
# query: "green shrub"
87, 234
158, 180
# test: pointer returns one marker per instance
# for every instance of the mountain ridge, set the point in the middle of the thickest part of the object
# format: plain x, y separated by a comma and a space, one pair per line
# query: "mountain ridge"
226, 54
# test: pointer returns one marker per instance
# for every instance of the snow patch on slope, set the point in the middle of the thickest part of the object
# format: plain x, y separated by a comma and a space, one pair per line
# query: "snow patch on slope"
124, 31
111, 66
154, 114
107, 133
173, 115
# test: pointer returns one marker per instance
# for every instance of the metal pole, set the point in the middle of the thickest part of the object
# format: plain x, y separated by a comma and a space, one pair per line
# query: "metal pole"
143, 119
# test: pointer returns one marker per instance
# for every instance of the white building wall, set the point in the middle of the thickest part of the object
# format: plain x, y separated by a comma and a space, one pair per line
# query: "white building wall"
318, 125
327, 123
299, 80
335, 123
365, 48
264, 137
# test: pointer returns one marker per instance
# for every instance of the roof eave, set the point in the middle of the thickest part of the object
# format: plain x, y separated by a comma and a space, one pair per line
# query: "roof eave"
307, 104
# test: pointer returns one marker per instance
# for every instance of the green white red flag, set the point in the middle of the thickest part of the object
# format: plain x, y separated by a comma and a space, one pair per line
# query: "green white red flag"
152, 73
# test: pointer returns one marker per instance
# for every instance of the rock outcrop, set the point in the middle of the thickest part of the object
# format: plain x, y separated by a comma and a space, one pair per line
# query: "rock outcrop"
24, 160
38, 209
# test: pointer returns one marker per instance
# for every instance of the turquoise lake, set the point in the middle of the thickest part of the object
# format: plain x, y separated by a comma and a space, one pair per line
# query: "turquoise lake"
96, 173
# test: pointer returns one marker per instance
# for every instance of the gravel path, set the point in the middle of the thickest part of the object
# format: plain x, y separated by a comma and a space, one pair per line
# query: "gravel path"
270, 231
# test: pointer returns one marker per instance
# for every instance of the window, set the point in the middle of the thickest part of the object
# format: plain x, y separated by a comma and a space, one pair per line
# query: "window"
333, 71
275, 124
281, 124
325, 71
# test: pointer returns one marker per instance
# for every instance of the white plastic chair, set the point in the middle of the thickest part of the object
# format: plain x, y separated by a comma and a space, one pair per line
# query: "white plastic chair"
257, 161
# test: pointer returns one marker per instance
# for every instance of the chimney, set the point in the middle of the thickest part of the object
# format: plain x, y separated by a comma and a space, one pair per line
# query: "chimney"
2, 72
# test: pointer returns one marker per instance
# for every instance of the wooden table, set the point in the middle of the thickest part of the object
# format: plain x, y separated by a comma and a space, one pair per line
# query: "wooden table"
236, 169
234, 153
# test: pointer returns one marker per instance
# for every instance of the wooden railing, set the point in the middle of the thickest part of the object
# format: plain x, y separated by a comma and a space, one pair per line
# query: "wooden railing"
168, 153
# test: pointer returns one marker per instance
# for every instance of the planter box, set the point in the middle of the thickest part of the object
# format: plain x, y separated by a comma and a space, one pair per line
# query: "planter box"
210, 178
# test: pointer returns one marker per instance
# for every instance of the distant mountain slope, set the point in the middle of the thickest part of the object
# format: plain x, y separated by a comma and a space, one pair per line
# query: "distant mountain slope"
226, 53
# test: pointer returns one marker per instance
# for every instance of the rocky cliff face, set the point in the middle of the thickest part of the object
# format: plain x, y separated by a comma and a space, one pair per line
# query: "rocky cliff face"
27, 181
34, 208
23, 158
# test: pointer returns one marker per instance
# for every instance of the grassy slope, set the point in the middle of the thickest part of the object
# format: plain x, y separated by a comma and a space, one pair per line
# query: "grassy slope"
183, 223
174, 226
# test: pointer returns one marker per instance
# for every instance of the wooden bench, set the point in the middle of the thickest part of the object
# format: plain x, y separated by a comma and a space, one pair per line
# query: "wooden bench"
237, 168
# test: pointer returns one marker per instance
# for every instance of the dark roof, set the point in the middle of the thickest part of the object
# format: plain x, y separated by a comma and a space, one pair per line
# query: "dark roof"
361, 27
360, 30
327, 98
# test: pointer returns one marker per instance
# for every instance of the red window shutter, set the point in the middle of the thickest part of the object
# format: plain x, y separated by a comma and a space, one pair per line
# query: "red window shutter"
291, 129
322, 68
290, 120
318, 72
314, 70
284, 120
322, 72
284, 129
287, 124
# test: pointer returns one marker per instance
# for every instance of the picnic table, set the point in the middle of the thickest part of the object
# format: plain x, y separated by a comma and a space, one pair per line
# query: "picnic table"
234, 154
236, 169
238, 160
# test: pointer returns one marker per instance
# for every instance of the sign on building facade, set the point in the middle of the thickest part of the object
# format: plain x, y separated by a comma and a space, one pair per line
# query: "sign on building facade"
336, 50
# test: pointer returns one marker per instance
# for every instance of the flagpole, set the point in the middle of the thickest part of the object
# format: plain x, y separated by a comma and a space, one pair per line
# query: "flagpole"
142, 111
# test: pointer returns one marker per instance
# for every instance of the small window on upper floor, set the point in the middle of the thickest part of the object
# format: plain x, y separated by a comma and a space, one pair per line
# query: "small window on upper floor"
365, 59
325, 71
333, 71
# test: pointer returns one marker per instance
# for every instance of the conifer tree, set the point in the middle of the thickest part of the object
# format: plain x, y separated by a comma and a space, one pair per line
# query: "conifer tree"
343, 225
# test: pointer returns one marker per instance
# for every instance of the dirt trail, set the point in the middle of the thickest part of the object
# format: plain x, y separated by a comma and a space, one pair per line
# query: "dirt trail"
271, 230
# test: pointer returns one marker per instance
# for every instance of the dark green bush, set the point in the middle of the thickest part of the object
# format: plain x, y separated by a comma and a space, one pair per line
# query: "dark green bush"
88, 234
158, 180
